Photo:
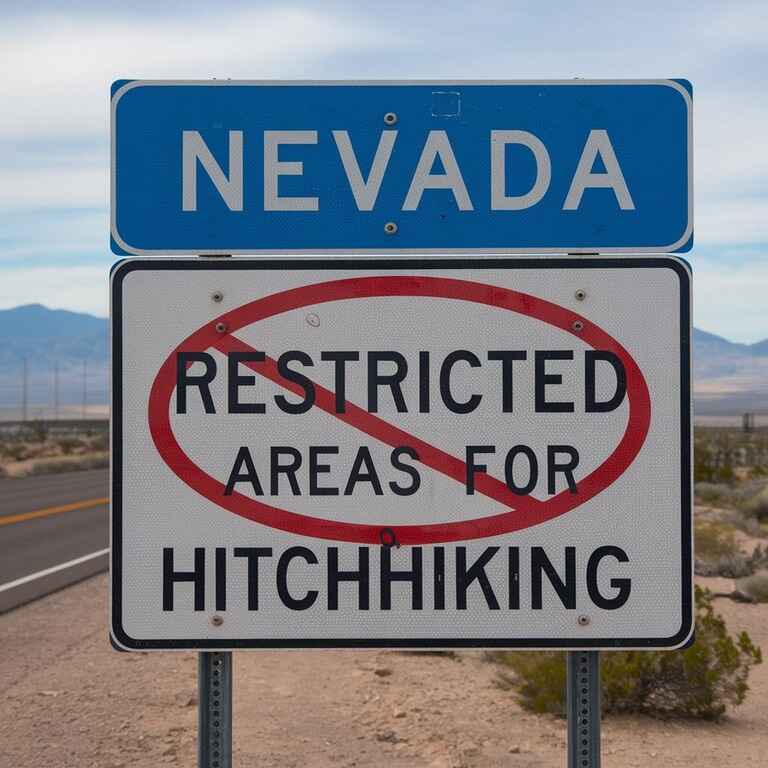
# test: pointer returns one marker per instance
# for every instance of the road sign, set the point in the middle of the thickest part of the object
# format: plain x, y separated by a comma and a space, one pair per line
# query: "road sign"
443, 167
402, 453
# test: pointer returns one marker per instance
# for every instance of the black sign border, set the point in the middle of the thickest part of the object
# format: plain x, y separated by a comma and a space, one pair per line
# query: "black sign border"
123, 268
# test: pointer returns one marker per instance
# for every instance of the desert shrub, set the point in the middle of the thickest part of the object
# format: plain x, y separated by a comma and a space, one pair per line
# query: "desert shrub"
758, 560
717, 553
100, 442
755, 586
54, 466
749, 525
757, 506
36, 431
713, 461
716, 494
714, 540
15, 451
699, 681
69, 445
729, 567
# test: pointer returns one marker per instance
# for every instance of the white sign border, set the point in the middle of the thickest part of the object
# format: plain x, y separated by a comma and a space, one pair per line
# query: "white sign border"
122, 641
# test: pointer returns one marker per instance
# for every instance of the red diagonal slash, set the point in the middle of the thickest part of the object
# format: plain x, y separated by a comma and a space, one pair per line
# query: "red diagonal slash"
522, 511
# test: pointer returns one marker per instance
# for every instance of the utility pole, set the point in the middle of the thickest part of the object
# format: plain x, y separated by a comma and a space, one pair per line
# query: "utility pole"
56, 390
85, 387
24, 383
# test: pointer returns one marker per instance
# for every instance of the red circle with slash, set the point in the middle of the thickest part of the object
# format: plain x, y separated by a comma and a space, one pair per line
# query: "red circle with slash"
524, 511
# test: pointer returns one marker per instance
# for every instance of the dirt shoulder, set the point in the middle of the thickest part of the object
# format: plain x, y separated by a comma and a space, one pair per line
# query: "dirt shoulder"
68, 700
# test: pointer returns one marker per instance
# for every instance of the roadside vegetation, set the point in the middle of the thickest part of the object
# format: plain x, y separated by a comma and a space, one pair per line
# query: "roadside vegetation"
731, 541
40, 449
731, 494
701, 681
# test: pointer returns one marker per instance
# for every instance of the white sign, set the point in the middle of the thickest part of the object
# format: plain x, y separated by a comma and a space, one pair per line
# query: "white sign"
424, 453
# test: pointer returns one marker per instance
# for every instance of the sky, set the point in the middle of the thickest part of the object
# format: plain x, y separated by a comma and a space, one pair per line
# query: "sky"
59, 58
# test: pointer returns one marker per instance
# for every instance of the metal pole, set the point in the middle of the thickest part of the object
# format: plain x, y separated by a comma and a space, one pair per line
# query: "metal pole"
85, 387
56, 390
214, 715
583, 709
24, 396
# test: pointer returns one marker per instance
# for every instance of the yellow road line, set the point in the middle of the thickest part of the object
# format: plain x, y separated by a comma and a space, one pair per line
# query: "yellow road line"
87, 504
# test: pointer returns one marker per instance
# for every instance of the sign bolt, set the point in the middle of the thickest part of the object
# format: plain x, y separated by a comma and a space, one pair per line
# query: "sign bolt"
390, 118
217, 296
221, 327
580, 294
583, 620
390, 227
217, 620
577, 325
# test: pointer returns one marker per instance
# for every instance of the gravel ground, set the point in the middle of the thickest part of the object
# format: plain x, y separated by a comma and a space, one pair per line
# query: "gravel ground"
68, 700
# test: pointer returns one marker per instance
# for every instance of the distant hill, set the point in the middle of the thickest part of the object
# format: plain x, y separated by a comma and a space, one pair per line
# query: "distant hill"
34, 321
728, 377
75, 342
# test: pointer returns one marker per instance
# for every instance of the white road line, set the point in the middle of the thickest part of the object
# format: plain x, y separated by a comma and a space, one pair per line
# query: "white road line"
54, 569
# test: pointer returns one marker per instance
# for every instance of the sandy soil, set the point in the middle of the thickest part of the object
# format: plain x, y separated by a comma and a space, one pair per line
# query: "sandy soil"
67, 699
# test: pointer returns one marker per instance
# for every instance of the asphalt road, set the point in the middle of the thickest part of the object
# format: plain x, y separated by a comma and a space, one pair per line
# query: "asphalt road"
53, 531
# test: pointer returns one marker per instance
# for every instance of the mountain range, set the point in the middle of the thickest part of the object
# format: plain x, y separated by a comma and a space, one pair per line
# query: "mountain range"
55, 343
729, 378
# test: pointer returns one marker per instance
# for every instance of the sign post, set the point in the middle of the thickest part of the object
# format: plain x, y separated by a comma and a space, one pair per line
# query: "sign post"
214, 676
214, 728
583, 701
419, 451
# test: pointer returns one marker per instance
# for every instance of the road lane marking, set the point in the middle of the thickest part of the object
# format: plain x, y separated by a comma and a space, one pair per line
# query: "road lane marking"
53, 569
86, 504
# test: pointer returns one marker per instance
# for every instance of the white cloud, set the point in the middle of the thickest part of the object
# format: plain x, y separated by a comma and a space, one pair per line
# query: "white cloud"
63, 65
82, 289
52, 234
58, 68
741, 220
29, 189
730, 299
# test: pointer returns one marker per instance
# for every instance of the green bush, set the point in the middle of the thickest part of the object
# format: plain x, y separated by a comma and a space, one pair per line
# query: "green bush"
714, 494
69, 445
714, 540
717, 553
15, 452
699, 681
728, 567
100, 442
755, 587
757, 506
713, 461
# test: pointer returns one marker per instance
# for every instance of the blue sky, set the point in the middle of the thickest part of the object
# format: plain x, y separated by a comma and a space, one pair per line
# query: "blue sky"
59, 58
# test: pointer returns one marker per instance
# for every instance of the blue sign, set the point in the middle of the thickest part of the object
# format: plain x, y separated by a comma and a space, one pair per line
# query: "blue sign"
407, 167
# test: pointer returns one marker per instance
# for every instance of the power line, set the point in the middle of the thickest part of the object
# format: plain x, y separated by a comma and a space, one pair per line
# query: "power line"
24, 394
56, 390
85, 386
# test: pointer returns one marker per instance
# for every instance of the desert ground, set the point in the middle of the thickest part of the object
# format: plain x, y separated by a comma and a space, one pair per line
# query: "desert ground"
70, 700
